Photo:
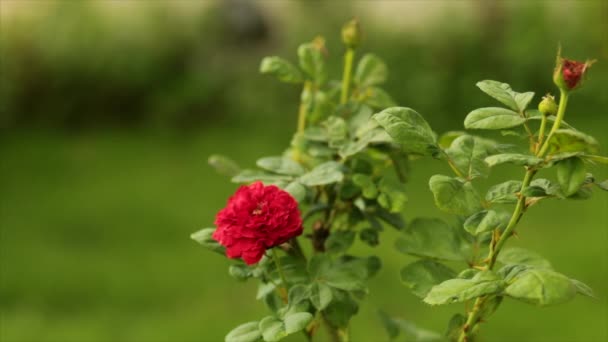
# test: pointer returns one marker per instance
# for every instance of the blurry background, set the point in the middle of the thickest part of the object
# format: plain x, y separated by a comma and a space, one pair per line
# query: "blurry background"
109, 109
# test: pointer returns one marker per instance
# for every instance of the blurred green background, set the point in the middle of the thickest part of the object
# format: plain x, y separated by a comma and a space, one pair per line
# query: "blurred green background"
109, 109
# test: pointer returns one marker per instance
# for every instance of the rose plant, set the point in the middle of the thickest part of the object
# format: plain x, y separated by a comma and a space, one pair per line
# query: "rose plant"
341, 179
483, 224
292, 224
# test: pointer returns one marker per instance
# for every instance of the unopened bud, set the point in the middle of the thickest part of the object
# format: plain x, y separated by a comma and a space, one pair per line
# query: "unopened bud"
351, 34
548, 106
569, 74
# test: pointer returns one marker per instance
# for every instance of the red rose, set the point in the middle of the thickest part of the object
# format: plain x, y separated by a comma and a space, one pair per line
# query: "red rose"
256, 218
572, 71
569, 73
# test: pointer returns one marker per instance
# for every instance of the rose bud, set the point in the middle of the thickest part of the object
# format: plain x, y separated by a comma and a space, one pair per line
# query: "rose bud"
257, 217
569, 74
548, 106
351, 34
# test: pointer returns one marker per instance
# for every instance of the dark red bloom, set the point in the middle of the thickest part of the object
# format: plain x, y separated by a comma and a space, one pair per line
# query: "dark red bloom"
257, 217
572, 72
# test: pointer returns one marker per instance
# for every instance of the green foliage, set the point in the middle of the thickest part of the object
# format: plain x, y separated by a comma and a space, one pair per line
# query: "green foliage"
282, 69
420, 276
493, 118
280, 165
409, 129
431, 238
454, 195
513, 158
503, 93
467, 153
246, 332
203, 237
326, 173
460, 290
541, 286
504, 193
486, 221
370, 71
571, 175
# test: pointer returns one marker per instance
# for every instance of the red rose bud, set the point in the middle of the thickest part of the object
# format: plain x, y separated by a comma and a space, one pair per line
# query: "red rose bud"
257, 217
569, 74
548, 106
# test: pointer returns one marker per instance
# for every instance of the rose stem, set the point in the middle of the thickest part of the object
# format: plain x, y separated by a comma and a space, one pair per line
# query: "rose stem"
348, 68
473, 317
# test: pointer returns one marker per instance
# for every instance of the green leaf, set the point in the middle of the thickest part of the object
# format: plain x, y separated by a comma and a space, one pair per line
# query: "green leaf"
339, 241
320, 295
454, 195
408, 129
513, 158
467, 154
377, 98
297, 321
569, 140
340, 276
571, 175
583, 288
341, 309
371, 70
447, 138
505, 192
247, 176
336, 131
246, 332
460, 290
493, 118
224, 165
541, 287
204, 237
422, 275
413, 333
503, 93
297, 294
541, 188
455, 326
240, 272
365, 182
370, 236
593, 158
297, 190
272, 329
521, 256
280, 165
393, 219
281, 69
486, 221
391, 327
312, 62
326, 173
431, 238
392, 195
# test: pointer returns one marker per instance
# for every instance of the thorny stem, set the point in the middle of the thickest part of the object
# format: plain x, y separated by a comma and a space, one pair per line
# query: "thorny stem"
346, 76
473, 318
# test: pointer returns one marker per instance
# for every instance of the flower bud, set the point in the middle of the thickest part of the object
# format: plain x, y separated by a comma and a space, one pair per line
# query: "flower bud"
351, 34
548, 106
569, 74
